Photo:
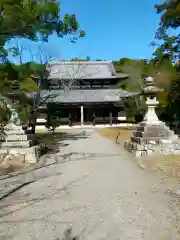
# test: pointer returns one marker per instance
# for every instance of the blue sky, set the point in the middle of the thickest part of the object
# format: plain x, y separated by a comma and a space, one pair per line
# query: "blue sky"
115, 29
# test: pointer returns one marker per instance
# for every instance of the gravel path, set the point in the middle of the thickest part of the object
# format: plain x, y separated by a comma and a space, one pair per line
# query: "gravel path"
96, 187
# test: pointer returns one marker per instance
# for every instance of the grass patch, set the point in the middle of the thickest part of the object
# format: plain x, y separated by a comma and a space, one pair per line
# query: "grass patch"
112, 133
169, 165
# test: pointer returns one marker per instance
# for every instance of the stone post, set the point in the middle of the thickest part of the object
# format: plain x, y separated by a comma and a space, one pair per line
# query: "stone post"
82, 116
94, 119
70, 120
151, 136
110, 116
150, 92
14, 120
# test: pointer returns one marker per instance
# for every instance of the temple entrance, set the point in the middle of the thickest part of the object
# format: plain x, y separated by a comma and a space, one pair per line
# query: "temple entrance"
87, 114
86, 117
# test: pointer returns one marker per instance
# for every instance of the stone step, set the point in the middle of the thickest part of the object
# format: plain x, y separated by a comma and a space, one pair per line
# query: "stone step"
17, 144
140, 129
31, 154
154, 139
137, 134
135, 139
15, 132
14, 138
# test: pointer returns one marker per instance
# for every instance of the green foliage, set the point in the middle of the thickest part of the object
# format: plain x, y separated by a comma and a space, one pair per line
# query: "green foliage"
28, 85
81, 59
53, 122
169, 11
169, 51
134, 106
161, 69
24, 113
135, 109
170, 19
27, 18
10, 72
34, 20
135, 70
4, 114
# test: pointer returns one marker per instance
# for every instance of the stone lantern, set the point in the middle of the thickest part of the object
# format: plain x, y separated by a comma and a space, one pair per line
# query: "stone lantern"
150, 91
151, 135
13, 97
17, 141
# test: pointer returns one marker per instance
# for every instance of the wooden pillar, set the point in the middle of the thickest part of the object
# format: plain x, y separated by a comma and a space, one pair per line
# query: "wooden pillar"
94, 119
70, 120
82, 116
110, 116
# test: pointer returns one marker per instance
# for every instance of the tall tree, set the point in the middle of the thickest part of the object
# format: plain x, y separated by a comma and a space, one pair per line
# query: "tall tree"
161, 70
135, 69
170, 19
35, 20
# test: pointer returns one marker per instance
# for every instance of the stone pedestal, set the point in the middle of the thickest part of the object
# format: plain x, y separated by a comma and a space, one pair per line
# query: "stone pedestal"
152, 136
17, 142
28, 155
153, 139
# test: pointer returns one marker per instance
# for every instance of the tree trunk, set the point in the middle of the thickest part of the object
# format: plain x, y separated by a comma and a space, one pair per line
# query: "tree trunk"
33, 130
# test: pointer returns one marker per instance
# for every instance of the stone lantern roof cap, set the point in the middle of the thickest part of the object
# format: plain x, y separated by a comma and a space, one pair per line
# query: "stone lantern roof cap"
150, 86
152, 89
149, 79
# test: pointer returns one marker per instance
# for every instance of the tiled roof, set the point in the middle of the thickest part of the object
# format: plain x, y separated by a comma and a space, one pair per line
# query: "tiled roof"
83, 70
85, 96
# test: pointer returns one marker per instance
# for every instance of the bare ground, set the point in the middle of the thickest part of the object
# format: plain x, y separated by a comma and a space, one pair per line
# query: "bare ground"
123, 133
169, 166
96, 187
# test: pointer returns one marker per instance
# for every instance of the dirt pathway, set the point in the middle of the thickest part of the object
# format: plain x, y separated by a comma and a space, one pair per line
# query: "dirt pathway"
98, 188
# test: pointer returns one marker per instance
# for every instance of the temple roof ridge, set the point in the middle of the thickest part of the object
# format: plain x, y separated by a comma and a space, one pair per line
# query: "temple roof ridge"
60, 69
85, 96
84, 62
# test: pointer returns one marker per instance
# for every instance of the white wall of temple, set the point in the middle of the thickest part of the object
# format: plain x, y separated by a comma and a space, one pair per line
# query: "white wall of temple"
42, 127
41, 119
122, 116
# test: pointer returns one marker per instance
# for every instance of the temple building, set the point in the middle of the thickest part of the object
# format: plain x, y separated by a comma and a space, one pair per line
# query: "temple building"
84, 92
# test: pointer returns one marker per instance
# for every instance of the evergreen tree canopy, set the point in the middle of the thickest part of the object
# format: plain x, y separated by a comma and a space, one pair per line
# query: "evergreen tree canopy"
170, 19
35, 20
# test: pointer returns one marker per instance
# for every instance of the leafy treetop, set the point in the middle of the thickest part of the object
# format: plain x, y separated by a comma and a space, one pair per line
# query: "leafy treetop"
35, 20
170, 19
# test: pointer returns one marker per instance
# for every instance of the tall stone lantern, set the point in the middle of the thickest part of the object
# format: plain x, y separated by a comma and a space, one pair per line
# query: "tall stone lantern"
16, 140
150, 92
151, 134
14, 96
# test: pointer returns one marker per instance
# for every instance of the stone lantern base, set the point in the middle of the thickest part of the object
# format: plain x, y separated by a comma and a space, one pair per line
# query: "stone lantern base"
153, 138
17, 142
